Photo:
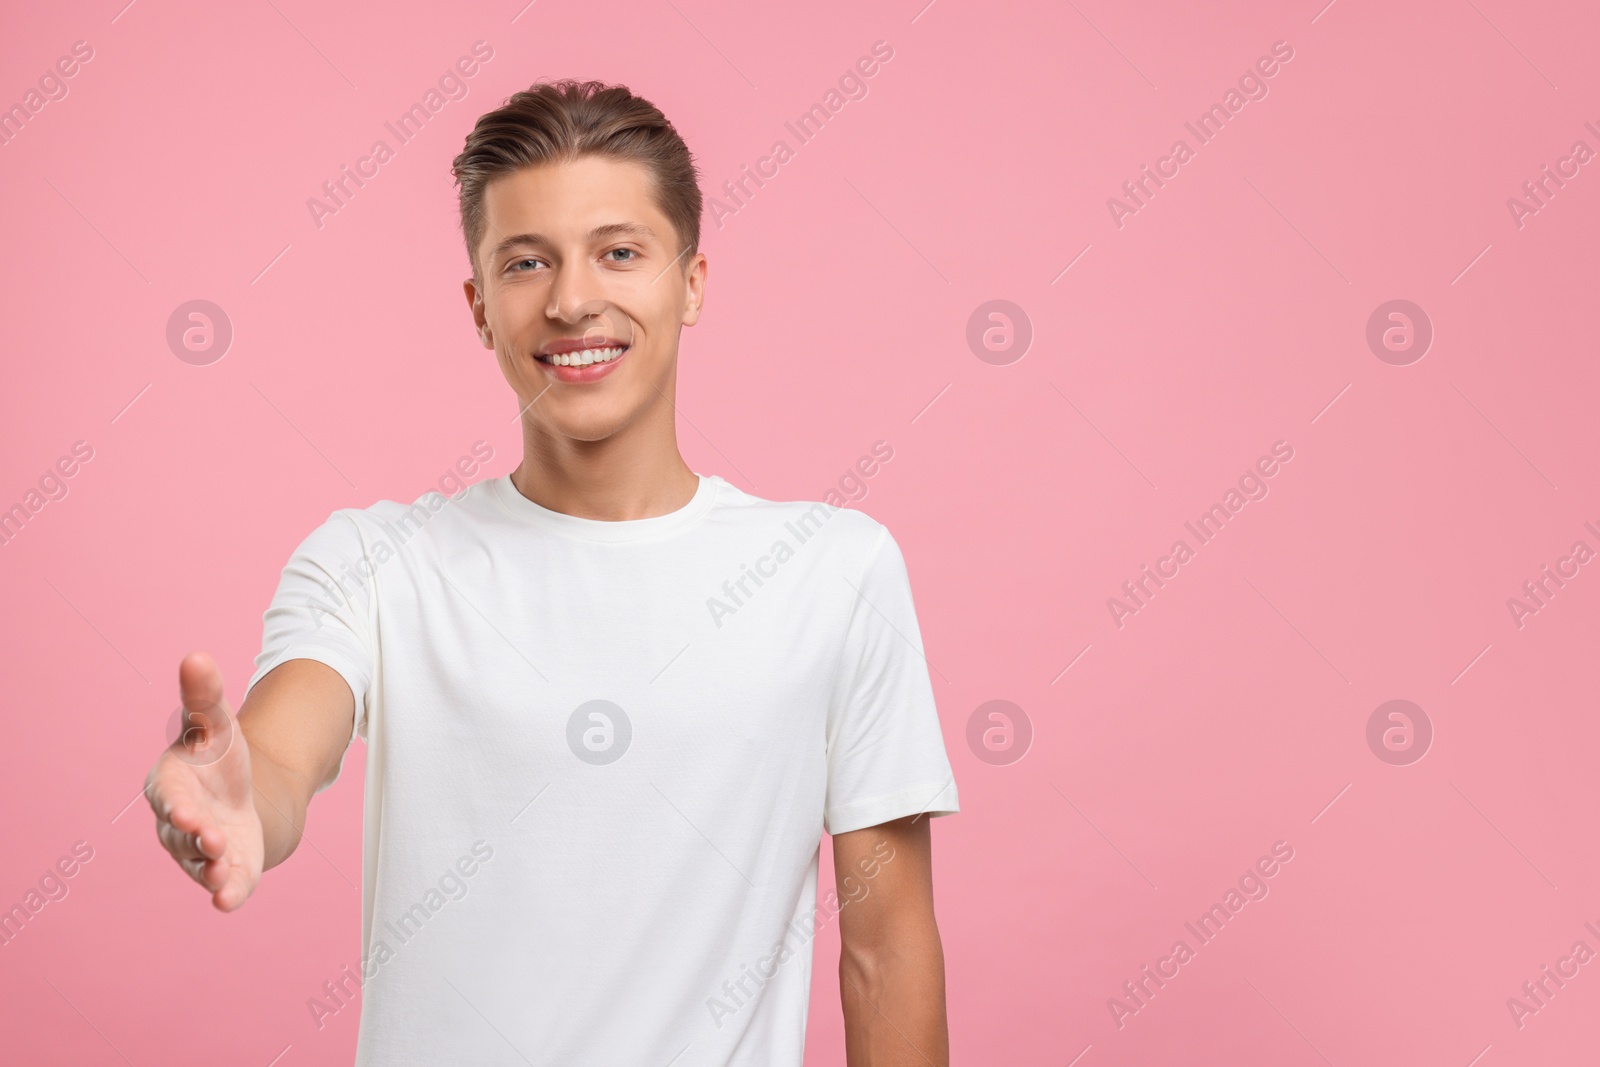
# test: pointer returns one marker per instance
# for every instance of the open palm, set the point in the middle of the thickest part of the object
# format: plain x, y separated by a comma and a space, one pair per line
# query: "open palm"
202, 792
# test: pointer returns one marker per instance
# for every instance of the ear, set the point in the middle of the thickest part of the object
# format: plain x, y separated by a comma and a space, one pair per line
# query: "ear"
475, 302
695, 282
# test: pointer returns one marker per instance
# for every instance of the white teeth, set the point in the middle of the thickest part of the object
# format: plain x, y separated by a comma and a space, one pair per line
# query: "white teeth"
585, 357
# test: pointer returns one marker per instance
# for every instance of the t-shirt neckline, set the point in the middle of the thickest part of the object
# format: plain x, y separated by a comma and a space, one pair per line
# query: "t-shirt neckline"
612, 531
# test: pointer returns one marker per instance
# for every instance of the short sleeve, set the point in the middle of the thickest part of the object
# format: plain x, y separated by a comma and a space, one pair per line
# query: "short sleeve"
322, 611
886, 756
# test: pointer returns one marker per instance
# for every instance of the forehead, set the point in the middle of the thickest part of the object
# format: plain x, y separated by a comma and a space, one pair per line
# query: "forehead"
568, 198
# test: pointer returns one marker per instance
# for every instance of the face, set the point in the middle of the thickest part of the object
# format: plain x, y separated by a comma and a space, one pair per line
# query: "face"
584, 288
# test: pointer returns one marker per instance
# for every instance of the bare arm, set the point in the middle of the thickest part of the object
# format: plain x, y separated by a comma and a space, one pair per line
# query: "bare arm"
891, 963
297, 720
230, 797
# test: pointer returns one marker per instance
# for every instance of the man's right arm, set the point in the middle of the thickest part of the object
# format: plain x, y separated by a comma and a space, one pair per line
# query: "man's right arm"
230, 796
298, 720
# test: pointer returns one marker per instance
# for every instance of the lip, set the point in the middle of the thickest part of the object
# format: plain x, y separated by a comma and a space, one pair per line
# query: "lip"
591, 373
578, 344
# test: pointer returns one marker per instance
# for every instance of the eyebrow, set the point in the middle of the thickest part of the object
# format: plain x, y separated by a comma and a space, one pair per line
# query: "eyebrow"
599, 233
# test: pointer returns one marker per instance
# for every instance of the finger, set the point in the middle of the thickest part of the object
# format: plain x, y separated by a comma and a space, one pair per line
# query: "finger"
214, 873
157, 794
211, 842
233, 891
184, 816
183, 845
192, 839
200, 683
170, 789
181, 810
206, 717
186, 820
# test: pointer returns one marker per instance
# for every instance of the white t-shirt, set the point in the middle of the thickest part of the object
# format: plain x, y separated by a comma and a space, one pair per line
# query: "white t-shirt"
601, 756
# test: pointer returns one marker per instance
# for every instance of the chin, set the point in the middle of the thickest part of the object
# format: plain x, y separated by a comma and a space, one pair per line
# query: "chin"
584, 426
586, 434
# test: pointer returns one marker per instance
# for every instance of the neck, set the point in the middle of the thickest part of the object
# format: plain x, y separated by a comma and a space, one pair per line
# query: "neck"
635, 473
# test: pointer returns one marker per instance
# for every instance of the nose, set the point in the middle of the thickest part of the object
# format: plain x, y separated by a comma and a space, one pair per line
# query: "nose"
575, 294
578, 296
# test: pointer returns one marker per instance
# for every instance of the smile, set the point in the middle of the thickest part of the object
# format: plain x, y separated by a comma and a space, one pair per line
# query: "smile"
579, 362
582, 357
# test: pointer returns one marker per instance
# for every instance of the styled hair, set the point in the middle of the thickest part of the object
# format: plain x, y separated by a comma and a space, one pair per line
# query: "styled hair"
556, 122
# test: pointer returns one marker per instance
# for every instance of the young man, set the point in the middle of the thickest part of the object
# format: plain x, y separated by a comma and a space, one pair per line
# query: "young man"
610, 704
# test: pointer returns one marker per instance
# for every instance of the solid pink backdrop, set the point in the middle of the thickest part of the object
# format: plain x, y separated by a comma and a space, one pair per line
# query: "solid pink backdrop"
1172, 346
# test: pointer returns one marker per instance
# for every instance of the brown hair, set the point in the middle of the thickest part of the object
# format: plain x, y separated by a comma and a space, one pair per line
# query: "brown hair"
554, 122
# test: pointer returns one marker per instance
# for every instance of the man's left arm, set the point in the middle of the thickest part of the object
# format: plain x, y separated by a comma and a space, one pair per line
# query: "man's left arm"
891, 964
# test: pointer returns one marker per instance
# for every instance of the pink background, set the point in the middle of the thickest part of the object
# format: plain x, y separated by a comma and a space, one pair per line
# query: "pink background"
1229, 313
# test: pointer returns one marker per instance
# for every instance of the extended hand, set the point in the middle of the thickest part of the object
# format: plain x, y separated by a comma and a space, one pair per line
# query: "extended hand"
202, 792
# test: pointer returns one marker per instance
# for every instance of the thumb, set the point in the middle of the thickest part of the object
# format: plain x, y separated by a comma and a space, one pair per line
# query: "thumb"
205, 728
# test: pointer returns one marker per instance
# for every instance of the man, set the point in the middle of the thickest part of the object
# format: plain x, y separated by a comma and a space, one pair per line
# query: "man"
610, 704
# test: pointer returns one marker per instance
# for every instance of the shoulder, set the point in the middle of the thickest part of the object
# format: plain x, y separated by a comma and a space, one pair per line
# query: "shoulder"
851, 538
354, 530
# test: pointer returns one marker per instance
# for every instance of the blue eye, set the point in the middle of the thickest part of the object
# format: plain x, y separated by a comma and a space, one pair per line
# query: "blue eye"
630, 252
516, 263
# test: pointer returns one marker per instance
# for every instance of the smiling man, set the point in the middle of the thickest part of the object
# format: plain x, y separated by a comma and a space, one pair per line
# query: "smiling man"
633, 789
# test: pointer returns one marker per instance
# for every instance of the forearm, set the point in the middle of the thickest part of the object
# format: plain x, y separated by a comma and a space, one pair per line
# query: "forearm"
281, 806
893, 997
298, 721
